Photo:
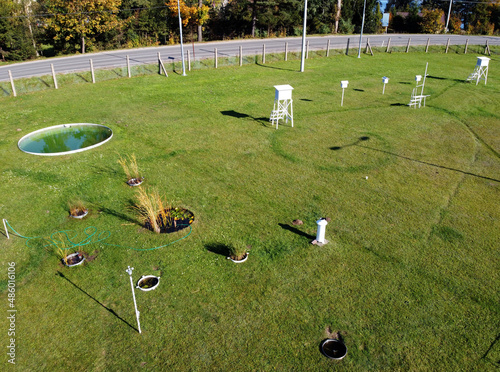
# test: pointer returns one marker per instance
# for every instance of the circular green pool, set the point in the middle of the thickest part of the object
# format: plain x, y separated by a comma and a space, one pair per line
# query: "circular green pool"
65, 139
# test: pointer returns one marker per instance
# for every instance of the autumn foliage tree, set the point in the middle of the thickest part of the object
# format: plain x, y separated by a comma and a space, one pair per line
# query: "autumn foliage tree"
432, 21
79, 21
195, 15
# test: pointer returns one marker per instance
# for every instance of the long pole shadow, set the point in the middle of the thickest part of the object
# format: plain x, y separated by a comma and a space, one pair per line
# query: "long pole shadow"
107, 308
296, 231
497, 363
366, 138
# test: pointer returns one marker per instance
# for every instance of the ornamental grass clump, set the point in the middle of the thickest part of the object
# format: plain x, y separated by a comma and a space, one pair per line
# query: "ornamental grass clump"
77, 208
152, 209
131, 169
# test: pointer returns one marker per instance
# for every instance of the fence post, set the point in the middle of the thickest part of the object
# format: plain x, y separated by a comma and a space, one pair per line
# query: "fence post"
447, 45
215, 57
286, 51
388, 45
466, 45
241, 55
263, 53
128, 67
328, 48
487, 48
347, 47
54, 76
92, 71
408, 46
427, 45
12, 84
162, 66
189, 60
307, 49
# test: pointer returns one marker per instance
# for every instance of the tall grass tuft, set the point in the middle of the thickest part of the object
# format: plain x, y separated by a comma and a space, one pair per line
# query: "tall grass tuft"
130, 167
152, 209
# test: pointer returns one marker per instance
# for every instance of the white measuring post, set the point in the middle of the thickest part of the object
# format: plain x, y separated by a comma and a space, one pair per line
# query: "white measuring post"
385, 80
5, 227
129, 271
283, 104
343, 85
416, 98
320, 234
480, 71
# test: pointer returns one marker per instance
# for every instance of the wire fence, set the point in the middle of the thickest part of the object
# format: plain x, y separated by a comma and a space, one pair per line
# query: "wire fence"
15, 87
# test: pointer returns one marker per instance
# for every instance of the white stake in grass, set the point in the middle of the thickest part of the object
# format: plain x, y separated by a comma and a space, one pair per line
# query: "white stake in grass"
129, 271
385, 80
5, 227
343, 85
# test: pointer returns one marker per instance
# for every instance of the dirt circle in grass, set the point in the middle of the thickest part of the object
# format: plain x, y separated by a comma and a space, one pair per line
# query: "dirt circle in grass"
172, 220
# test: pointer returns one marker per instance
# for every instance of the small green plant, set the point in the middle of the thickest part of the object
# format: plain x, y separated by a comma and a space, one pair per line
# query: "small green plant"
61, 251
130, 167
237, 250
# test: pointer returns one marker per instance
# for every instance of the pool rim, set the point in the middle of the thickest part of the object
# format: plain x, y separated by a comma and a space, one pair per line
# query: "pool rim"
64, 152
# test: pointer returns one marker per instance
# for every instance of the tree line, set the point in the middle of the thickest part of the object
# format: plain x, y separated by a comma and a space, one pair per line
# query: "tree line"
30, 28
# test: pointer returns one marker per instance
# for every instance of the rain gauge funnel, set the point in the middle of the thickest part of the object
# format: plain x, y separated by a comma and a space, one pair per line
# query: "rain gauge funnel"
320, 234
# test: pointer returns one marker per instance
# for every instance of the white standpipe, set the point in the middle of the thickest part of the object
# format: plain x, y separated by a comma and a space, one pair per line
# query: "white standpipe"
5, 227
129, 271
320, 234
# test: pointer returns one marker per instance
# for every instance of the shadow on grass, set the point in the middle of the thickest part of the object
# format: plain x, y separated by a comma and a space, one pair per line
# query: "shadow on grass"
44, 82
218, 248
442, 78
360, 139
276, 68
107, 308
296, 231
485, 356
117, 214
239, 115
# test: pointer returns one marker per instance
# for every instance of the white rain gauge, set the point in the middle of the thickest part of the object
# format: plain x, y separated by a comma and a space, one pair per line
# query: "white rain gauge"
385, 80
480, 71
283, 104
343, 85
320, 233
418, 98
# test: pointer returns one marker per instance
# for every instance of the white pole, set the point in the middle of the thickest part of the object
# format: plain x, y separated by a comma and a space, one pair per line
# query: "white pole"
128, 66
5, 226
448, 19
362, 26
423, 83
303, 38
92, 71
53, 75
182, 45
342, 102
129, 271
12, 84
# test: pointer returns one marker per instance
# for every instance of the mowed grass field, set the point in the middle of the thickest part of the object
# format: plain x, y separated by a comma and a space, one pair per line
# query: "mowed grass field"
410, 277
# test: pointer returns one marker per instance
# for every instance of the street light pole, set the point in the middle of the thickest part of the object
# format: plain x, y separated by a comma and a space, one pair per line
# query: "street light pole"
448, 19
129, 272
182, 45
362, 26
302, 59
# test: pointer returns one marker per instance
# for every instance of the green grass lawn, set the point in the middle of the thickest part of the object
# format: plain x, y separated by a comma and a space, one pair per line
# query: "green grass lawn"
410, 275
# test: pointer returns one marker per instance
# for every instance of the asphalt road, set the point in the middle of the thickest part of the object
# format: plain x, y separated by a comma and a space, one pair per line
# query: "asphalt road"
116, 58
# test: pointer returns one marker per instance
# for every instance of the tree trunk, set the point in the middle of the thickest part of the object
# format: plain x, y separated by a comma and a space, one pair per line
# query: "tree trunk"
254, 17
28, 13
337, 15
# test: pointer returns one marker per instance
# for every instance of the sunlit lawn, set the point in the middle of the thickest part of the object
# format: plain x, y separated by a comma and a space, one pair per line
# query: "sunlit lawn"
409, 278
